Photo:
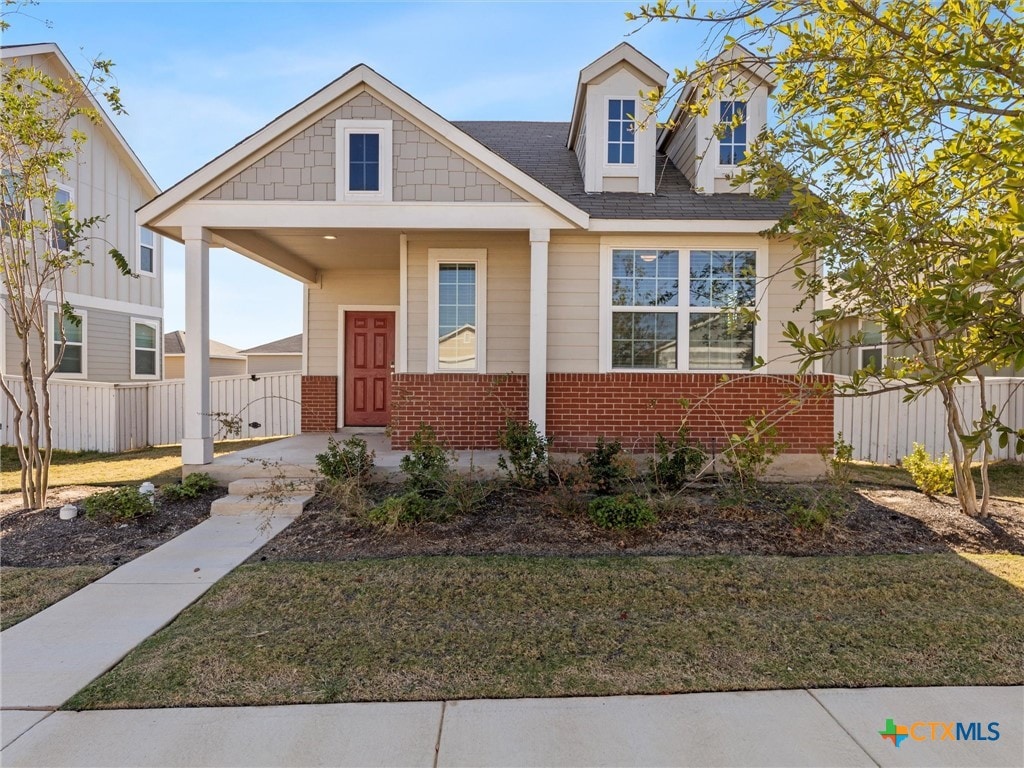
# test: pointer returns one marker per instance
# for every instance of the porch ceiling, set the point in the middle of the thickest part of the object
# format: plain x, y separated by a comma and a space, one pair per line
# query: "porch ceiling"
354, 249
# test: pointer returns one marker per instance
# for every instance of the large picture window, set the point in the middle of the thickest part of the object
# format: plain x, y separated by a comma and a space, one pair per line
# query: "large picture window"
682, 309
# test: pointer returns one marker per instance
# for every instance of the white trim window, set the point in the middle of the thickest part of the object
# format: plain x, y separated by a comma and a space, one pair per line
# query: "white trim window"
621, 147
364, 154
871, 354
680, 309
732, 145
145, 349
146, 262
63, 196
75, 363
457, 310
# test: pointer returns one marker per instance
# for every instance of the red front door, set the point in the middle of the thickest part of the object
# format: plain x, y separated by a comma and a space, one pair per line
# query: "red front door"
369, 355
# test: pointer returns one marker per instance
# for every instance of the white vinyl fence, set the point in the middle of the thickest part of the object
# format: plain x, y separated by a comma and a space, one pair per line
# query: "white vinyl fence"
111, 418
882, 428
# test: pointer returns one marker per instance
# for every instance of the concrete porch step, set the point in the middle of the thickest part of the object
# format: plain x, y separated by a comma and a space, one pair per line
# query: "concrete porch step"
278, 496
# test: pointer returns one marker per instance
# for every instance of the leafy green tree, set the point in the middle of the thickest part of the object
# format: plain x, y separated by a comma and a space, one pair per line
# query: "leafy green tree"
900, 138
42, 240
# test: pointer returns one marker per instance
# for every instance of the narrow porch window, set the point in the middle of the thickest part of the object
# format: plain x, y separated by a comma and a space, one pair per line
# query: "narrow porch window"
456, 321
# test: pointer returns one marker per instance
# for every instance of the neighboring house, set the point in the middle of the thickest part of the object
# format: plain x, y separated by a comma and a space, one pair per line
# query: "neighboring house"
282, 355
122, 317
456, 273
224, 360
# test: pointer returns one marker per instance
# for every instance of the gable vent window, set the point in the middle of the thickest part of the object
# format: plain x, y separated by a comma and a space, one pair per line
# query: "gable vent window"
733, 144
364, 163
621, 132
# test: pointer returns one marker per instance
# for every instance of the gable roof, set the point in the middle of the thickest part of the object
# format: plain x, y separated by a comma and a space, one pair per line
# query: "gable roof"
539, 149
289, 345
359, 78
174, 344
53, 51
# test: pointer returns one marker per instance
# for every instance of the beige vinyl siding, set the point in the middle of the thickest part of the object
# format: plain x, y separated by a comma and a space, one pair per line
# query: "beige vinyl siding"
682, 148
174, 366
273, 363
782, 297
377, 287
103, 184
573, 306
508, 297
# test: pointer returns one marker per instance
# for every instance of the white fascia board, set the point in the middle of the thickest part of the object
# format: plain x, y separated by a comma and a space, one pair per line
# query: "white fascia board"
224, 215
708, 226
315, 107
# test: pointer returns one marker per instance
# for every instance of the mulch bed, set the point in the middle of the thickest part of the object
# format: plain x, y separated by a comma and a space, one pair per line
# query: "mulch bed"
41, 539
515, 522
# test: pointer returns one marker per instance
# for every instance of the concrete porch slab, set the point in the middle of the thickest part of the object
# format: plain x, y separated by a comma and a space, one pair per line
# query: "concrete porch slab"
307, 735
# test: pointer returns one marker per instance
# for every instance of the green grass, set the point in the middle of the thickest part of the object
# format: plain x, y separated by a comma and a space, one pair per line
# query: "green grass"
26, 591
452, 628
1006, 477
159, 465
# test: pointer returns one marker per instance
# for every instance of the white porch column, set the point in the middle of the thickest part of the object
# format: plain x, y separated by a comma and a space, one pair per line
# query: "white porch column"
197, 442
538, 404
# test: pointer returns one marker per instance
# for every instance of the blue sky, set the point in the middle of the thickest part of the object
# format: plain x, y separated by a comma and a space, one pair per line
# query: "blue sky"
196, 77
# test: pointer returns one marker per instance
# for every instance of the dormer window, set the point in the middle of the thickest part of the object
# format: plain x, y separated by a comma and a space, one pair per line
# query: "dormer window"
364, 160
733, 144
621, 132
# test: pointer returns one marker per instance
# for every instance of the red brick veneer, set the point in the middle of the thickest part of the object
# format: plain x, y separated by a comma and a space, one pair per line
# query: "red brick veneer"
319, 403
466, 410
634, 407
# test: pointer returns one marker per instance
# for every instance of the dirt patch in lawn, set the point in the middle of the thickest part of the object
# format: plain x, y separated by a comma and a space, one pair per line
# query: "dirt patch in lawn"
41, 539
516, 522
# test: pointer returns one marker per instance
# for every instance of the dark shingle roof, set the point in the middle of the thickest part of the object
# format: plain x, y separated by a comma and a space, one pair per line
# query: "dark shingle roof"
290, 345
538, 149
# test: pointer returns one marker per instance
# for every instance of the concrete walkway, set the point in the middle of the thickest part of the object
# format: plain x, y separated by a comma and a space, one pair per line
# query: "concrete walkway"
47, 658
772, 728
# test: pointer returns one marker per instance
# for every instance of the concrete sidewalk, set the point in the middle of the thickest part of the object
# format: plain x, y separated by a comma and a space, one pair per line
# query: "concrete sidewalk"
772, 728
47, 658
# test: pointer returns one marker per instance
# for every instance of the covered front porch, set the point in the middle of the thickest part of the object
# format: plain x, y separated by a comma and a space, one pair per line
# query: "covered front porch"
295, 458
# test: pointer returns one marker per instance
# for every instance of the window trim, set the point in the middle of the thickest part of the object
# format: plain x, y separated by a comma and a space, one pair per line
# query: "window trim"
625, 169
71, 201
723, 168
138, 252
342, 130
605, 307
882, 346
50, 341
155, 325
436, 257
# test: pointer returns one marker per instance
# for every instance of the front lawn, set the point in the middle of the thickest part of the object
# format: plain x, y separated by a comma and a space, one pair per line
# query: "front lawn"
456, 627
159, 464
26, 591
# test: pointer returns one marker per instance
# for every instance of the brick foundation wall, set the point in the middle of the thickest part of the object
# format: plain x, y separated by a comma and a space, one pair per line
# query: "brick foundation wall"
466, 410
319, 403
634, 407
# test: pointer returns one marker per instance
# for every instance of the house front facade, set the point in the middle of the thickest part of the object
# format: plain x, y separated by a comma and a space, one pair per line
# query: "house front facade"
119, 337
578, 274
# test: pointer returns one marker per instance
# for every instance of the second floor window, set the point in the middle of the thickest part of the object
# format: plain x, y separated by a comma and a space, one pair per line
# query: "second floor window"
364, 162
147, 251
733, 144
621, 132
63, 199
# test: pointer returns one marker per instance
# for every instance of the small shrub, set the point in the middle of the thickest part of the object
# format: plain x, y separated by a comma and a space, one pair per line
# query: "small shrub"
838, 458
527, 453
118, 505
620, 512
462, 494
606, 467
815, 508
675, 463
933, 477
346, 496
346, 461
192, 487
749, 455
568, 493
428, 464
408, 509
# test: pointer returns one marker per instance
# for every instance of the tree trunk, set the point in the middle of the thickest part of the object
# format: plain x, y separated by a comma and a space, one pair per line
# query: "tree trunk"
963, 482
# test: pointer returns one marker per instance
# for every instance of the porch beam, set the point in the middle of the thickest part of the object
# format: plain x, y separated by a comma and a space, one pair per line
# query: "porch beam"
538, 396
268, 254
197, 441
406, 216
